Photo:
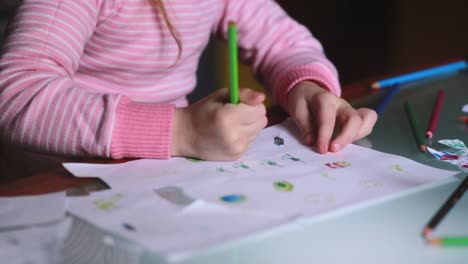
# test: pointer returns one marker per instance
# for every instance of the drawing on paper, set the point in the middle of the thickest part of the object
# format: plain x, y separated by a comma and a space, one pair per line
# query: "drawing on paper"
129, 227
223, 170
278, 141
396, 167
108, 204
241, 165
271, 163
283, 186
174, 195
338, 164
233, 198
291, 157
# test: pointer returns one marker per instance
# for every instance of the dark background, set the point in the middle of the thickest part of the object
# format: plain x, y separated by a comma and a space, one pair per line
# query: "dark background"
363, 38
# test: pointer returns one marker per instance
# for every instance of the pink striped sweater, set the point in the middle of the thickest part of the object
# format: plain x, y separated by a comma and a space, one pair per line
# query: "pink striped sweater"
94, 77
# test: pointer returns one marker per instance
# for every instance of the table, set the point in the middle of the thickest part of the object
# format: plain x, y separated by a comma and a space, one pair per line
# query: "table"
384, 232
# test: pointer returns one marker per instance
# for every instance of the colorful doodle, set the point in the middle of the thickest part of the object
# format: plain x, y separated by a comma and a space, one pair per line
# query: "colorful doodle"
396, 167
278, 141
242, 166
283, 186
271, 163
291, 157
233, 198
108, 204
338, 164
223, 170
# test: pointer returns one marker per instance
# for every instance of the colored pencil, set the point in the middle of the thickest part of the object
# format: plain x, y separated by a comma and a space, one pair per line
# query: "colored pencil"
459, 241
233, 64
387, 98
415, 126
435, 114
418, 75
445, 208
463, 119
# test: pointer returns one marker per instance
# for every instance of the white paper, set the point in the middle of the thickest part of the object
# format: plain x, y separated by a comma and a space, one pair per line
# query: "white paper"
270, 185
20, 211
36, 244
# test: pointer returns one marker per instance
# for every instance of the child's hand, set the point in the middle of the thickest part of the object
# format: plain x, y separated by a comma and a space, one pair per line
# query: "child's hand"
213, 129
317, 112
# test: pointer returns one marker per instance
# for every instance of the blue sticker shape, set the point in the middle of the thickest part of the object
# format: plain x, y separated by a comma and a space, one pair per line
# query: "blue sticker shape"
233, 198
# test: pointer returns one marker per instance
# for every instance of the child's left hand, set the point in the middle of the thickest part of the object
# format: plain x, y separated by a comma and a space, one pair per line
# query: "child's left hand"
318, 112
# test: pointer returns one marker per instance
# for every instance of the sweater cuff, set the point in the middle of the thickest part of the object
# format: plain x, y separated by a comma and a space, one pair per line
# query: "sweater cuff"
142, 130
314, 73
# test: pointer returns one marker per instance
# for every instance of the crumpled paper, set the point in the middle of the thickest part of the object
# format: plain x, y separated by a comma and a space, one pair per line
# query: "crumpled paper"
456, 153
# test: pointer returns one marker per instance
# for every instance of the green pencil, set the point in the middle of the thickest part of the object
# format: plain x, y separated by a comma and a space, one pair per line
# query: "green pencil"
414, 125
233, 67
459, 241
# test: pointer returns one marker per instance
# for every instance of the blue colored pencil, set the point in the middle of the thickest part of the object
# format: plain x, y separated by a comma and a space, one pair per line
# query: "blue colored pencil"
418, 75
387, 98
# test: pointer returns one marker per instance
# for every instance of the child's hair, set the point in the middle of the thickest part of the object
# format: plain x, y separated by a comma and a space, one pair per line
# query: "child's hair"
160, 5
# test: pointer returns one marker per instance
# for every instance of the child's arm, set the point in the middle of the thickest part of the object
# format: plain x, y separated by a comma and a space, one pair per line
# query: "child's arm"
292, 64
42, 107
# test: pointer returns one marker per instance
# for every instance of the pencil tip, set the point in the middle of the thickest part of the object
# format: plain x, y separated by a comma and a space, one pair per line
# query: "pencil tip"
375, 85
427, 232
422, 148
429, 135
434, 241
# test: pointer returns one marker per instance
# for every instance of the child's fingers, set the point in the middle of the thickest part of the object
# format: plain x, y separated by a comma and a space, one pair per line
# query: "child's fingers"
326, 124
251, 131
369, 117
303, 120
351, 124
250, 97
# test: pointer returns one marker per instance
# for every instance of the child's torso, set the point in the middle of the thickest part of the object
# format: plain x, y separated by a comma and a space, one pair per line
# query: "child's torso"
132, 51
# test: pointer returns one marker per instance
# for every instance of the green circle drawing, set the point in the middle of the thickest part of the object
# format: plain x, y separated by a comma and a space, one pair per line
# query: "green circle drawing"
283, 186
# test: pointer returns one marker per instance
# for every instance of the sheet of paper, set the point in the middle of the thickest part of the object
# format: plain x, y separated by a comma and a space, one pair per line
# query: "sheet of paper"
278, 180
163, 222
21, 211
39, 244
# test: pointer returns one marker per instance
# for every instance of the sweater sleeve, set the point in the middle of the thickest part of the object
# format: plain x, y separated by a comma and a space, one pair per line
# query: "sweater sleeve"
44, 110
281, 51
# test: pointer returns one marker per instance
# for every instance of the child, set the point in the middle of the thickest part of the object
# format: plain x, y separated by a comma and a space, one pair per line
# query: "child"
109, 78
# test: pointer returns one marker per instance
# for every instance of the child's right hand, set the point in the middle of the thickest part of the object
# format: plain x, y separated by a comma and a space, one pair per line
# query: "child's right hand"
212, 129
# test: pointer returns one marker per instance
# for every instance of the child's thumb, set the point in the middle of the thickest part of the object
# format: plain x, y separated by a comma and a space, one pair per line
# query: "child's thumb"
251, 97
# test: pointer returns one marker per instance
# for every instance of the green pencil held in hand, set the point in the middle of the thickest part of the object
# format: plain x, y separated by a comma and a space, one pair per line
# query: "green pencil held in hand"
233, 65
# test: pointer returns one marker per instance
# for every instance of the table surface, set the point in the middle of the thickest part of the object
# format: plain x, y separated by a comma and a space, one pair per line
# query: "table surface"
384, 232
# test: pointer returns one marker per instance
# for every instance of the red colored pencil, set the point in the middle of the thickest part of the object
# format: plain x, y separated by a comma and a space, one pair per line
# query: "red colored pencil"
435, 114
